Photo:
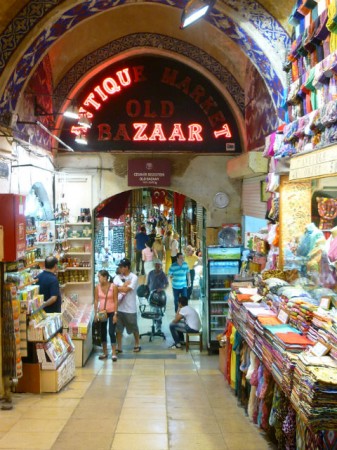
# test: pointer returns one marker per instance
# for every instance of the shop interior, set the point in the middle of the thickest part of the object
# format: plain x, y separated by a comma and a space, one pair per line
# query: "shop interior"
85, 240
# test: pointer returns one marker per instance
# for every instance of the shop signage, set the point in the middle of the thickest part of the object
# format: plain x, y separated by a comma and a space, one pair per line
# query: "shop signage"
149, 172
150, 102
316, 164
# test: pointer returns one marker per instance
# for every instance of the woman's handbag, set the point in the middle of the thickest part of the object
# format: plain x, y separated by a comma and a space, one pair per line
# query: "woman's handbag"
102, 315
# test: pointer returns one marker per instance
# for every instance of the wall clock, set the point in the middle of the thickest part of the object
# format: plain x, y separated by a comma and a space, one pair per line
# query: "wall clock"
221, 200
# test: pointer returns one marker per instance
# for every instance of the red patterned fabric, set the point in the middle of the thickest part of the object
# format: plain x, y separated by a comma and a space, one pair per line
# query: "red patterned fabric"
179, 203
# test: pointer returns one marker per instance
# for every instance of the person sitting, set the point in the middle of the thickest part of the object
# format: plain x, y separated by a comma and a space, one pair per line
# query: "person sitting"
187, 320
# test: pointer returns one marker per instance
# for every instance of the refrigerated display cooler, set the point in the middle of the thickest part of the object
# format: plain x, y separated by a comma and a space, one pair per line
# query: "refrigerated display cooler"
223, 263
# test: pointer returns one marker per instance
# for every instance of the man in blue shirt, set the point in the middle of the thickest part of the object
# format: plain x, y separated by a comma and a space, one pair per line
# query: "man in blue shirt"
140, 239
49, 286
181, 279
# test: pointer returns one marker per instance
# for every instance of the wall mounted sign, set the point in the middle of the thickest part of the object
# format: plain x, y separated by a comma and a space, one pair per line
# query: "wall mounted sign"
153, 103
149, 172
313, 165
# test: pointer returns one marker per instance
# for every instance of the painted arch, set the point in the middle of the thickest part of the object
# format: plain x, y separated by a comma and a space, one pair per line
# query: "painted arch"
251, 27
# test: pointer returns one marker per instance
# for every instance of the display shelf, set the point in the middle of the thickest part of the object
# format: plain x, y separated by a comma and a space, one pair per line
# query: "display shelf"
74, 224
55, 380
79, 239
77, 268
221, 273
220, 289
77, 282
79, 253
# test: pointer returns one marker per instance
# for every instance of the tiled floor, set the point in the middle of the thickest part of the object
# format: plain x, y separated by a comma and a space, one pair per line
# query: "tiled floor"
156, 400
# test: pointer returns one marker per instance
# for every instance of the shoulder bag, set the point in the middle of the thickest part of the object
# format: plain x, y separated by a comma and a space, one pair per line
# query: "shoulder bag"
102, 315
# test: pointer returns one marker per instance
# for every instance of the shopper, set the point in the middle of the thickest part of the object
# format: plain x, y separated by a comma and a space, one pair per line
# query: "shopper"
140, 240
152, 236
187, 320
127, 308
174, 247
147, 258
157, 281
181, 280
158, 248
167, 244
106, 294
49, 286
192, 260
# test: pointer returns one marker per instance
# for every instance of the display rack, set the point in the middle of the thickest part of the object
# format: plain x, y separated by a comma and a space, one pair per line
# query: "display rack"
42, 347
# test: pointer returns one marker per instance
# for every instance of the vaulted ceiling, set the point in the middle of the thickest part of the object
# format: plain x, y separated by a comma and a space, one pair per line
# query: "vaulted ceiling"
80, 37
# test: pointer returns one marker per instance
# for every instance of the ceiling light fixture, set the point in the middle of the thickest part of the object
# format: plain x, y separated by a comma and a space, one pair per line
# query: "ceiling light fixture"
84, 121
194, 10
72, 112
44, 128
81, 139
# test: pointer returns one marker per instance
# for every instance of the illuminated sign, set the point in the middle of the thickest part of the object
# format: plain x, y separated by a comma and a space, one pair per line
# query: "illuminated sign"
151, 102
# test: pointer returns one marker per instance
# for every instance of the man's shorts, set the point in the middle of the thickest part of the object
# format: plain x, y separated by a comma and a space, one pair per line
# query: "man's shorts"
127, 321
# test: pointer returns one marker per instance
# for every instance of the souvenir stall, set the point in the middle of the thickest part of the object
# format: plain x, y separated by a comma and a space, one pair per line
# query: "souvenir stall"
36, 355
280, 344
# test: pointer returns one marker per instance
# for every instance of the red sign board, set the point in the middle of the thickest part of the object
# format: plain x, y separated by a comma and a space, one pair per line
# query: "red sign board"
149, 172
13, 220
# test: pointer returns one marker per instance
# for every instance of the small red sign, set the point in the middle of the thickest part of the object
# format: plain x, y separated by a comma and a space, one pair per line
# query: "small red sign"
149, 172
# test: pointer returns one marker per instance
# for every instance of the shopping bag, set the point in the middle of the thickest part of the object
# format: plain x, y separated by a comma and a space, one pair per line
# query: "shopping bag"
96, 333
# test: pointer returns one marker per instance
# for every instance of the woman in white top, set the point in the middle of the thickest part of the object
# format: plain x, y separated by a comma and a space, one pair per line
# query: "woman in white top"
147, 257
174, 247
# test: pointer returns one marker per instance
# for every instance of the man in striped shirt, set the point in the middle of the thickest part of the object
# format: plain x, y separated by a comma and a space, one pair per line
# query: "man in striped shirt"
181, 279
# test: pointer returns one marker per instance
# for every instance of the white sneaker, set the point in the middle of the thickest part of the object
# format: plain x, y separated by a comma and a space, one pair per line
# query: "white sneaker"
174, 346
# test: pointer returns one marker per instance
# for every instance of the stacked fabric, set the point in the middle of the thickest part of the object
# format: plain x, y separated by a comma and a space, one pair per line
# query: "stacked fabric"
314, 392
323, 329
291, 341
300, 312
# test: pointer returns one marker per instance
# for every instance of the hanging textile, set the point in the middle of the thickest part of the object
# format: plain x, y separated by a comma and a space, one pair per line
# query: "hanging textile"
179, 203
158, 196
115, 206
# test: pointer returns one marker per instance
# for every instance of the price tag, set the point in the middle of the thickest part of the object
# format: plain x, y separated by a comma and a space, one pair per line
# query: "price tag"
320, 349
283, 317
325, 302
256, 298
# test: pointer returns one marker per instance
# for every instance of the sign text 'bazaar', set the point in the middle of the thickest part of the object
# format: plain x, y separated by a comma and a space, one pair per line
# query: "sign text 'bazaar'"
151, 102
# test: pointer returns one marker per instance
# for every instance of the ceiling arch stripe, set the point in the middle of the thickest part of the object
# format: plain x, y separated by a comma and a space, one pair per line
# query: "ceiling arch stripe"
21, 25
29, 17
155, 41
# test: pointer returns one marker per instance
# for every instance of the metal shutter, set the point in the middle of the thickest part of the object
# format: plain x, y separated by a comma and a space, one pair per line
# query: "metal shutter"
251, 198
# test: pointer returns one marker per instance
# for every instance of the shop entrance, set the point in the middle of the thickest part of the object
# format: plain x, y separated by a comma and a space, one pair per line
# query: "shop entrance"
120, 217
